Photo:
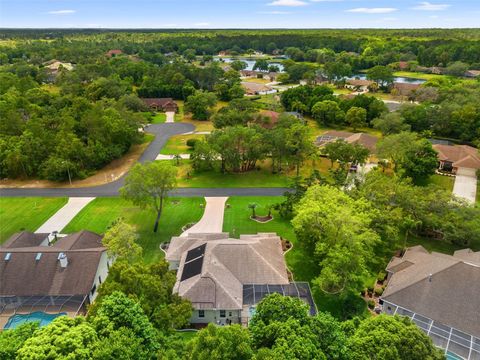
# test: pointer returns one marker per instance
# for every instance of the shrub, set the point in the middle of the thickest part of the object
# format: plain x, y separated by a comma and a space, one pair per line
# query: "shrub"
379, 291
381, 276
191, 143
371, 304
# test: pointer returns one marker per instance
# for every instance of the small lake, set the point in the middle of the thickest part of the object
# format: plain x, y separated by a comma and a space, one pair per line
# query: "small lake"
397, 79
250, 62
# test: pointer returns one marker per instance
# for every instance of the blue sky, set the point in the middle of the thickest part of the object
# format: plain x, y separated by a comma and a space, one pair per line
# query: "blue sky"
240, 13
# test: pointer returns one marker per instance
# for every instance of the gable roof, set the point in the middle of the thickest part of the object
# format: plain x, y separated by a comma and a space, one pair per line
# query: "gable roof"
26, 273
441, 287
254, 88
359, 82
160, 102
459, 155
369, 141
227, 265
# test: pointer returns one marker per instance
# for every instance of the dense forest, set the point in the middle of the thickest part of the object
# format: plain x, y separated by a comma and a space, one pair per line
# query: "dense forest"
430, 47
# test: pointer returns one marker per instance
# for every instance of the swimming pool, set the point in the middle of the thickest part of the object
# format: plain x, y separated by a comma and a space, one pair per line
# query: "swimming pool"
38, 316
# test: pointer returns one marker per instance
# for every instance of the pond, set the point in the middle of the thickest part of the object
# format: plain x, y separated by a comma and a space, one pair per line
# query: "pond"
250, 62
398, 79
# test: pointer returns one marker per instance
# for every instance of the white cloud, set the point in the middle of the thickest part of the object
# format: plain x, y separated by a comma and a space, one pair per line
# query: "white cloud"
287, 3
202, 24
425, 5
62, 12
274, 12
433, 16
372, 10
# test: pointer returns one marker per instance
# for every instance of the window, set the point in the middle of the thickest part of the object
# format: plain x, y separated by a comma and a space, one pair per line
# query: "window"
94, 288
222, 313
229, 313
100, 279
201, 313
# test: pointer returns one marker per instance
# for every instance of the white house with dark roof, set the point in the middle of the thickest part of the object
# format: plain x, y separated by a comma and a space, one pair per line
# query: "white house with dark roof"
225, 278
40, 272
441, 293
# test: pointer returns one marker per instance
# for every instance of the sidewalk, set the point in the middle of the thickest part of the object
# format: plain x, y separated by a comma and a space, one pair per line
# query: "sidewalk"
63, 216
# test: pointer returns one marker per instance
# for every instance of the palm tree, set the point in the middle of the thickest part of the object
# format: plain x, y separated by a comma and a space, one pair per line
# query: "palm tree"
177, 159
253, 206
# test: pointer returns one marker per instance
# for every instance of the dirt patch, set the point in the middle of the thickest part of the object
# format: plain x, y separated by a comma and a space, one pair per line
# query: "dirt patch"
113, 171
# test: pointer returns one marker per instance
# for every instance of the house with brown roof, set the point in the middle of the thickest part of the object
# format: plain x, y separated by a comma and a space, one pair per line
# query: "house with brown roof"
253, 88
50, 273
441, 294
114, 52
366, 140
225, 278
358, 84
161, 104
455, 157
244, 74
54, 67
472, 73
405, 89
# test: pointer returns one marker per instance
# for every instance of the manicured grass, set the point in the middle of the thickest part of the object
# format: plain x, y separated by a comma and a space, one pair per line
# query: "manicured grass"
101, 212
178, 144
321, 129
445, 182
159, 118
17, 214
186, 336
418, 75
257, 80
262, 177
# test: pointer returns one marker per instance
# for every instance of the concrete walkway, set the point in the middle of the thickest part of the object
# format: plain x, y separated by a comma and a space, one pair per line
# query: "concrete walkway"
63, 216
170, 117
212, 219
465, 185
170, 157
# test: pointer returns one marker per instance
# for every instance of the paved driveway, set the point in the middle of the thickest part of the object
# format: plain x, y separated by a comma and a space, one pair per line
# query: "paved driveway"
466, 184
212, 219
63, 216
170, 117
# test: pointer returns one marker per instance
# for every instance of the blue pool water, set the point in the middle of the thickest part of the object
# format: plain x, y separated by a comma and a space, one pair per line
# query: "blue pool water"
37, 316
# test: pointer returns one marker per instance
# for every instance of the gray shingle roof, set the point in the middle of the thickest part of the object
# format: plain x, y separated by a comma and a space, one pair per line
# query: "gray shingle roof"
228, 264
21, 274
441, 287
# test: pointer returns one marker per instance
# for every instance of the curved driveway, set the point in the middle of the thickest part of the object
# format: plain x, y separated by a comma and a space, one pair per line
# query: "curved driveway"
162, 133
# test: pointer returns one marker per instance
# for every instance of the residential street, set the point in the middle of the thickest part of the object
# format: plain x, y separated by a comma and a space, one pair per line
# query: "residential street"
162, 133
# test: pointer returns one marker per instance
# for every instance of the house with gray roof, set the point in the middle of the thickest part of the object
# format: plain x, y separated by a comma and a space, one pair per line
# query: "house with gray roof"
441, 294
50, 273
225, 278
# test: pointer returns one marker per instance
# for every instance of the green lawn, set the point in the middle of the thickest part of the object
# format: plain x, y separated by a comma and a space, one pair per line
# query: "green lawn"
159, 118
418, 75
445, 182
17, 214
215, 179
177, 144
101, 212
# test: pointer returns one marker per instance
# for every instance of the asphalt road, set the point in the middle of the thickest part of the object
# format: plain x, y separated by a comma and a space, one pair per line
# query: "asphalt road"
162, 133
